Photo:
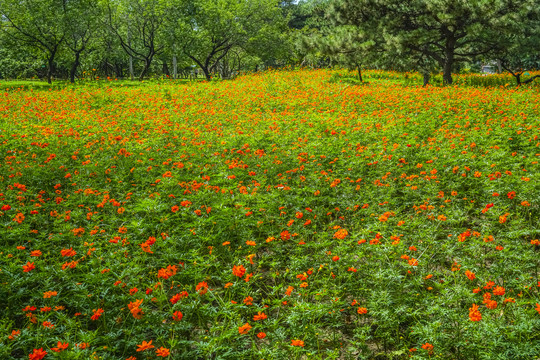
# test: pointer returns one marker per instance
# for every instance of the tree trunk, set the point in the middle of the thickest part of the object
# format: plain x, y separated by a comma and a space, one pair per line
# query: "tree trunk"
119, 70
499, 66
447, 73
207, 74
359, 73
74, 67
131, 74
427, 77
175, 67
144, 70
50, 64
166, 69
448, 64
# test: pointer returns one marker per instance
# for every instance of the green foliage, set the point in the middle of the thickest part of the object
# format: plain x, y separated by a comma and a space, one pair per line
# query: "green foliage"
369, 220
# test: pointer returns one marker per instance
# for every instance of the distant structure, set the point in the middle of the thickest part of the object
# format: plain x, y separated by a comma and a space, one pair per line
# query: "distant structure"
491, 67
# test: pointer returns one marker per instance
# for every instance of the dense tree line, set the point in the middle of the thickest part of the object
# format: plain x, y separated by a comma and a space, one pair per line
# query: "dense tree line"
137, 38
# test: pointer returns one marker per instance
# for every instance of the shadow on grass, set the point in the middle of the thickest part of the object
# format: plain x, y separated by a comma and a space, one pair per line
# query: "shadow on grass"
63, 84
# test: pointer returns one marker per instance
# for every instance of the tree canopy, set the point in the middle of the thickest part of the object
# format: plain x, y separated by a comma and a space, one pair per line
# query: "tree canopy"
113, 38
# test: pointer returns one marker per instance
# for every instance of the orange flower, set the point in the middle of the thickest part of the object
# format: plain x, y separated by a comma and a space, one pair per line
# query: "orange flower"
413, 262
145, 346
261, 335
135, 309
28, 267
60, 347
285, 235
470, 275
14, 334
239, 270
36, 253
163, 352
19, 218
97, 314
296, 342
202, 288
491, 304
248, 300
177, 316
168, 272
362, 310
499, 290
37, 354
538, 308
260, 316
49, 294
474, 314
341, 234
244, 328
289, 291
428, 347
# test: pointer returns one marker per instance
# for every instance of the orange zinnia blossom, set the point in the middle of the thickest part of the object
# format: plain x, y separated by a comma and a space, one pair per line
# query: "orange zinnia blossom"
14, 334
341, 234
37, 354
470, 275
244, 328
296, 342
163, 352
177, 316
474, 314
28, 267
289, 291
202, 288
145, 346
261, 335
239, 270
285, 235
36, 253
97, 314
428, 347
362, 310
248, 300
499, 290
260, 316
49, 294
60, 347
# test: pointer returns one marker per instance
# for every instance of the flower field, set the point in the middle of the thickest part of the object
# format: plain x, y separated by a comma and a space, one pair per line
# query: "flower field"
277, 216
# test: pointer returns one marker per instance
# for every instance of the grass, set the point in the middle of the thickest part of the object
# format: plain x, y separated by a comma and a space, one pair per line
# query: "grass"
280, 215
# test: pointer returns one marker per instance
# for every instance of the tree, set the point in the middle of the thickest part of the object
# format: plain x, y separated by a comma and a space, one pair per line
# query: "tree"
350, 45
138, 25
80, 25
208, 30
445, 31
518, 47
38, 23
